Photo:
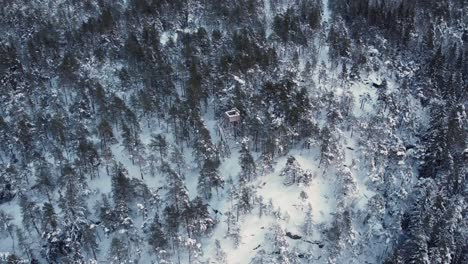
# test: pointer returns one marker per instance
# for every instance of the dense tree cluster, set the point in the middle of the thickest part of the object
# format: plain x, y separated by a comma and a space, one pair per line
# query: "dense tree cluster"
114, 146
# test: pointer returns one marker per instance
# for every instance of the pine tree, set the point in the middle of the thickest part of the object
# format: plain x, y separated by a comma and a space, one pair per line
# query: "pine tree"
280, 246
308, 225
25, 244
172, 224
220, 254
72, 200
159, 144
121, 187
292, 172
7, 227
245, 203
429, 37
119, 251
25, 136
132, 143
133, 48
157, 238
106, 214
198, 219
247, 163
177, 158
30, 212
348, 183
89, 240
106, 133
209, 178
177, 193
49, 218
44, 179
436, 148
68, 68
123, 193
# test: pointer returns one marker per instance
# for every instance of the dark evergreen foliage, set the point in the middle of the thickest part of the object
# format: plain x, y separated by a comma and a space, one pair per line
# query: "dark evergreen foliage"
88, 86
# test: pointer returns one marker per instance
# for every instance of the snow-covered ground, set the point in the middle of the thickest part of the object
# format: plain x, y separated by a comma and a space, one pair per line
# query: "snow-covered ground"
289, 207
321, 193
268, 16
285, 199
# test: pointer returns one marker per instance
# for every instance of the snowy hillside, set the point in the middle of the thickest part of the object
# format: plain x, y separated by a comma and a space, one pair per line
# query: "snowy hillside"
249, 131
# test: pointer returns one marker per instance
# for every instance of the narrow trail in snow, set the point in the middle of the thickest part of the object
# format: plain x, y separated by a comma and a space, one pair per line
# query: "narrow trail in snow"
323, 45
268, 17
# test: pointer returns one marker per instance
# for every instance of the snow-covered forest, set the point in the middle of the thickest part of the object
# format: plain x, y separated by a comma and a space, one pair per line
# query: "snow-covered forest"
246, 131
